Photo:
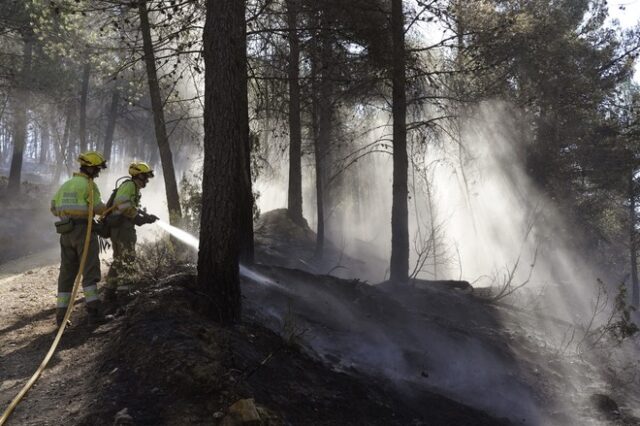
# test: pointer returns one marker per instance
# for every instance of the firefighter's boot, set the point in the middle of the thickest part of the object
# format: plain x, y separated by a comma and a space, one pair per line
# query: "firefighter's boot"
95, 315
60, 312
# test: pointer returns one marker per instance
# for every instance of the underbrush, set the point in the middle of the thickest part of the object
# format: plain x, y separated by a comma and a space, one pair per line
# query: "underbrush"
161, 258
155, 260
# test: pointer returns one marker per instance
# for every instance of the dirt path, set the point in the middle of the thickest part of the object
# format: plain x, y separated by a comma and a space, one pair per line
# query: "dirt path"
12, 269
27, 329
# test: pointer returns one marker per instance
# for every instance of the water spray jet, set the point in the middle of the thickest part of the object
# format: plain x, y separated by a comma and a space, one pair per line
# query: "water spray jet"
180, 234
194, 242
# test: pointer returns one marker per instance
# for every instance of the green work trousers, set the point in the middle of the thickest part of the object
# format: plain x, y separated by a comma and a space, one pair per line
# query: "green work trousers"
71, 246
122, 270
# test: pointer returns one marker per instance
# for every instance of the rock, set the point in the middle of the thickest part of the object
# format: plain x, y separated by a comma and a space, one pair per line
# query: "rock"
123, 418
242, 413
605, 405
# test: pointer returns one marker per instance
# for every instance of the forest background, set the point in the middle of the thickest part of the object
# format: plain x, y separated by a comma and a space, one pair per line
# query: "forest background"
522, 114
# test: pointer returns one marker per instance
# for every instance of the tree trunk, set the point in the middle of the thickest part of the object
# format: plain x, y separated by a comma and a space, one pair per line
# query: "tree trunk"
171, 186
295, 131
20, 123
111, 124
399, 268
633, 238
45, 141
318, 114
84, 92
319, 157
226, 129
245, 196
64, 146
32, 151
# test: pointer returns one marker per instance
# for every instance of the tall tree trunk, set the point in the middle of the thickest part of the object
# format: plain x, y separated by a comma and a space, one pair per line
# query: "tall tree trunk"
226, 129
319, 157
3, 141
318, 139
245, 196
171, 186
399, 268
323, 140
45, 141
33, 147
633, 243
64, 147
20, 123
295, 132
111, 124
84, 92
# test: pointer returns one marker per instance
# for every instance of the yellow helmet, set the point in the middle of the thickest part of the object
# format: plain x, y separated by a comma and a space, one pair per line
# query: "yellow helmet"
140, 168
92, 159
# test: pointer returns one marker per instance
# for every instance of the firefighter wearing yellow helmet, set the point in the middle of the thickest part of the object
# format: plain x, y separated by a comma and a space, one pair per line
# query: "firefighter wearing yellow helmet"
125, 215
71, 205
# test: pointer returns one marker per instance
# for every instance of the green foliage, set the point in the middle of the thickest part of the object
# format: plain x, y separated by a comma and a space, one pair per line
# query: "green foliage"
191, 203
569, 71
191, 190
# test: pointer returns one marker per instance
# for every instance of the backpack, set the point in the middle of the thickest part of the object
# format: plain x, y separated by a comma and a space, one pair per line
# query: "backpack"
106, 222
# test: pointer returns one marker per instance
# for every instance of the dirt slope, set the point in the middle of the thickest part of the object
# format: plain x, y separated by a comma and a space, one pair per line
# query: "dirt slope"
167, 364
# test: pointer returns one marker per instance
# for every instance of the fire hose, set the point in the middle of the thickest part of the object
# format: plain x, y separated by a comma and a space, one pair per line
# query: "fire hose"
87, 239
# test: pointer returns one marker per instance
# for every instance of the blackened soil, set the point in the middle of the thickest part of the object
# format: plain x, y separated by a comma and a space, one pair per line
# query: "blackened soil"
168, 364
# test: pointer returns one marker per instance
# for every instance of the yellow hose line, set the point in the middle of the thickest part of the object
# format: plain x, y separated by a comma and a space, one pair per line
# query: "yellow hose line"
54, 345
107, 211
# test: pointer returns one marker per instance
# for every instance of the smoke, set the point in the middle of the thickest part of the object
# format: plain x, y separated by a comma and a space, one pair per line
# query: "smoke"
475, 214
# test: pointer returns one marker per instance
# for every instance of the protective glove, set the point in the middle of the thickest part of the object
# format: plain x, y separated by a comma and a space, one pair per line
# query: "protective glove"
139, 220
143, 218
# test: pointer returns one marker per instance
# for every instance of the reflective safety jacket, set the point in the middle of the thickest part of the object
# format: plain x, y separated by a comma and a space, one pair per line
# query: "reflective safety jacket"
72, 199
127, 199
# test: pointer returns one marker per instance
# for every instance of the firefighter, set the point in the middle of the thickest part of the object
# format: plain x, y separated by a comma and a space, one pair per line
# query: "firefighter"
124, 216
71, 205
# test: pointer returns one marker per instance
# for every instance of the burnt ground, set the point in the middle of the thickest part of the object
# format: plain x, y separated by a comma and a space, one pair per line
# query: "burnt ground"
168, 364
309, 352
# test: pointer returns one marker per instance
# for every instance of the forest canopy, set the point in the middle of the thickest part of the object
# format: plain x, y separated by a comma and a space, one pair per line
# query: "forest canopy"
329, 90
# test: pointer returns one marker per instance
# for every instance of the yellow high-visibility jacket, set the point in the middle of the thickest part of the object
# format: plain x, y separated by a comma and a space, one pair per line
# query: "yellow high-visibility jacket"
72, 199
127, 200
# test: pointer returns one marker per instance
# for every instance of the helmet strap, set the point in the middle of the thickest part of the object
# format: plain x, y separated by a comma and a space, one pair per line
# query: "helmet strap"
90, 171
143, 179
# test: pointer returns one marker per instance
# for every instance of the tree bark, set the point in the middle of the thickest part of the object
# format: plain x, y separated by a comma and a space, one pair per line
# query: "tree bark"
399, 267
45, 140
111, 124
319, 91
633, 239
171, 186
245, 195
226, 132
84, 92
319, 156
20, 123
65, 144
295, 131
